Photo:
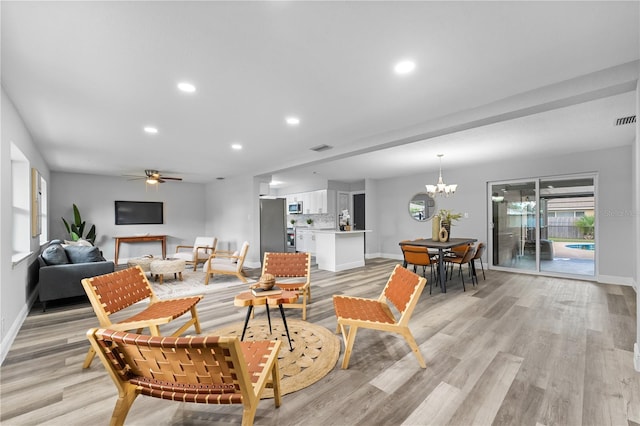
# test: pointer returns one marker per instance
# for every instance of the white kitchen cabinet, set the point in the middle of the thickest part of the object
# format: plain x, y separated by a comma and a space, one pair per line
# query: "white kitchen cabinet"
305, 241
313, 202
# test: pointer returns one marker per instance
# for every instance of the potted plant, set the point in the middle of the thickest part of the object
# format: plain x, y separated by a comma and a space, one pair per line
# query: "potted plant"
293, 222
447, 217
310, 222
76, 229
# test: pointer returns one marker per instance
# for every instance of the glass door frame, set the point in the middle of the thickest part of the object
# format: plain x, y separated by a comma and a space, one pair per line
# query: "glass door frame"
537, 180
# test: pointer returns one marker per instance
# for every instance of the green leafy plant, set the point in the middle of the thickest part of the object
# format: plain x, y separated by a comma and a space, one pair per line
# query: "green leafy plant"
448, 216
293, 222
586, 225
76, 229
309, 221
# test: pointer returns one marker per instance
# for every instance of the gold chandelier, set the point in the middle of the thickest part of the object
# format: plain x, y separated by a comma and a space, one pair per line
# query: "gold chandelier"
440, 187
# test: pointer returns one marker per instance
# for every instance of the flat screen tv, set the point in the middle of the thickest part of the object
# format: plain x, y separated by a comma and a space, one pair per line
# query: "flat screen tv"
139, 213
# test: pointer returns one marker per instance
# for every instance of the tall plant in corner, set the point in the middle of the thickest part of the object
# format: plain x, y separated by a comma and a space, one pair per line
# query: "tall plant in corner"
76, 230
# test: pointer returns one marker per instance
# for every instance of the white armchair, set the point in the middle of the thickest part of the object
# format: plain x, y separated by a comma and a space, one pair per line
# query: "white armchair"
199, 252
224, 262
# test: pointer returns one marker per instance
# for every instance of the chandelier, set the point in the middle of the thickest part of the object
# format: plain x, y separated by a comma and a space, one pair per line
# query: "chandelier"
440, 187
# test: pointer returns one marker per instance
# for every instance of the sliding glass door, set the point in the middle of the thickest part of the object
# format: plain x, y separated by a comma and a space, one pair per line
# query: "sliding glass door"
544, 225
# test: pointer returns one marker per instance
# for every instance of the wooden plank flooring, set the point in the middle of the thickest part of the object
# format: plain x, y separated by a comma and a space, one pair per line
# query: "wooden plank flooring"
515, 350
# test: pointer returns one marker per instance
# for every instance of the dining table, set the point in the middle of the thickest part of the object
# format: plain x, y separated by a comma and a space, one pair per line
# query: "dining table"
441, 246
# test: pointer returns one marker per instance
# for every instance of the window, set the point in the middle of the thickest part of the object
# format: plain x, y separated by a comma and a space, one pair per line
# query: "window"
44, 212
20, 204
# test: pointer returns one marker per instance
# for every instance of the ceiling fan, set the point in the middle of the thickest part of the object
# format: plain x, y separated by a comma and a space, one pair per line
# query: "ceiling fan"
153, 177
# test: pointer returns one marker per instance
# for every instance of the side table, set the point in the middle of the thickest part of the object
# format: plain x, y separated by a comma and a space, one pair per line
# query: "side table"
246, 298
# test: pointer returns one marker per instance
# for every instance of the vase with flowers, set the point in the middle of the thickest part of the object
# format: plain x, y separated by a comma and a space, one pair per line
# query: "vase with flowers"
447, 217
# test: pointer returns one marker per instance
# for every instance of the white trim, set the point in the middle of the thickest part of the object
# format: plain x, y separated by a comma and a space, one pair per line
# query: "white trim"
614, 279
636, 357
11, 334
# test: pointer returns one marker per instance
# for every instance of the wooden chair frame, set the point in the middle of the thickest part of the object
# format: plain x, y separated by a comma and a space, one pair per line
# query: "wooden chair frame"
403, 289
200, 369
197, 250
220, 254
118, 290
291, 265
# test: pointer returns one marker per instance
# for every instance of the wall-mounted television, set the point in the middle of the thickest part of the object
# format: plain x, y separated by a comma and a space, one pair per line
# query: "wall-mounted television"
139, 212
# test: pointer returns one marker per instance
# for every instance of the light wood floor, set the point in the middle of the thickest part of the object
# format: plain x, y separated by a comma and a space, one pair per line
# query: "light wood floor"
515, 350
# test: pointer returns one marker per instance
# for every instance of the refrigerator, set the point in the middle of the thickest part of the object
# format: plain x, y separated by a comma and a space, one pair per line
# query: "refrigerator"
273, 227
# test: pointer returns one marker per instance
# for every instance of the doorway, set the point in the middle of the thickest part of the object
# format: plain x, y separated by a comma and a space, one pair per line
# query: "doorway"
544, 225
358, 211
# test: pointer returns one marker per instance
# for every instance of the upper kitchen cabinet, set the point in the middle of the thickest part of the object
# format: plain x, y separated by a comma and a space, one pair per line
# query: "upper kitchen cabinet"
314, 202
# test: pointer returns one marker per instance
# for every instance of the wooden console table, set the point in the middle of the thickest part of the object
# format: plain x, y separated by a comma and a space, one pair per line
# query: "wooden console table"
141, 239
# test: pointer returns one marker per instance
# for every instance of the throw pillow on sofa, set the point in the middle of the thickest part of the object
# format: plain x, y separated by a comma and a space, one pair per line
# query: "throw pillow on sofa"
55, 255
83, 254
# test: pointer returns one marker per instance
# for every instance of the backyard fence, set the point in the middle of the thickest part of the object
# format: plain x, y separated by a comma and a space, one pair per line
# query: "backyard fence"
563, 227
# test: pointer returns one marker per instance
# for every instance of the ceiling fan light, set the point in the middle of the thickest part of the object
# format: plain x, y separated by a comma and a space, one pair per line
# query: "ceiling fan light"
152, 181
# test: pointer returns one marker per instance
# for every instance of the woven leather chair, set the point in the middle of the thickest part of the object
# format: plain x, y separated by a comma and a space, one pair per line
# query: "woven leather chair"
118, 290
200, 369
291, 265
403, 289
199, 252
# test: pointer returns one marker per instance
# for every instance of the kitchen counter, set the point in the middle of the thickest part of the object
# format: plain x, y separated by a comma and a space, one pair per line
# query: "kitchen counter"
339, 250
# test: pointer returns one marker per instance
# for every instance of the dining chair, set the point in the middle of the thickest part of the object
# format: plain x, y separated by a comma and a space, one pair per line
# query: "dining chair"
418, 256
480, 248
403, 289
200, 369
466, 259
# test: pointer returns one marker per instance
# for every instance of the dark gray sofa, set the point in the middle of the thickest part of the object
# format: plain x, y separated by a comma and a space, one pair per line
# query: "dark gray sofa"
60, 278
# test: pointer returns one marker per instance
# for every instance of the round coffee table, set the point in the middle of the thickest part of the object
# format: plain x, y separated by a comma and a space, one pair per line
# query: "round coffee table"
246, 298
160, 267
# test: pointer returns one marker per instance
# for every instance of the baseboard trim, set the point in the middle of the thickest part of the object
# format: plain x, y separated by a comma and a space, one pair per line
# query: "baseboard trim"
13, 331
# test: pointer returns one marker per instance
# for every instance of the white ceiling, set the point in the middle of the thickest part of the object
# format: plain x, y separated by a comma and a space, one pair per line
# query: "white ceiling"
510, 79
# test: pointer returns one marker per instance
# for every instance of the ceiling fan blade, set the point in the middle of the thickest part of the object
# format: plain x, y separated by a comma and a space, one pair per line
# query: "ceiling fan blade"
171, 178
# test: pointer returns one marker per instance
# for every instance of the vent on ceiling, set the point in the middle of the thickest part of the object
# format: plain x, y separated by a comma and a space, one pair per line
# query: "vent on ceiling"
626, 120
321, 148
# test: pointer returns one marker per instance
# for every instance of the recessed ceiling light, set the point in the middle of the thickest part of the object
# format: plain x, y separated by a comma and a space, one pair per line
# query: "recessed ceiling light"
151, 130
292, 121
186, 87
236, 146
404, 67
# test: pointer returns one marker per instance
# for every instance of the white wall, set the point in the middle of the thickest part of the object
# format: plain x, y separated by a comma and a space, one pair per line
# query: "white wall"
614, 168
233, 215
184, 211
15, 293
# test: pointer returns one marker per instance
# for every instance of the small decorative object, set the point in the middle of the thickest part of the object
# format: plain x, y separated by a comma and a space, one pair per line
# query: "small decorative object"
443, 235
293, 222
309, 221
267, 281
435, 228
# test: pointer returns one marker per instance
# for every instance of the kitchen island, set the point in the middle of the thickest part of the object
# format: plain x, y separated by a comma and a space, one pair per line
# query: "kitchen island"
339, 250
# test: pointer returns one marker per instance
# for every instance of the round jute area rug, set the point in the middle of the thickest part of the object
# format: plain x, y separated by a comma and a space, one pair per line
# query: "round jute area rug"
315, 350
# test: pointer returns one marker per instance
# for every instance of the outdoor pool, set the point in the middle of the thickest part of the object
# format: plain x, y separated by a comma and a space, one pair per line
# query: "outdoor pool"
582, 246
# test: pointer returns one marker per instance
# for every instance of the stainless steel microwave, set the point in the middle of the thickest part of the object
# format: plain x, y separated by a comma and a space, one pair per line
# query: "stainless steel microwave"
295, 208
